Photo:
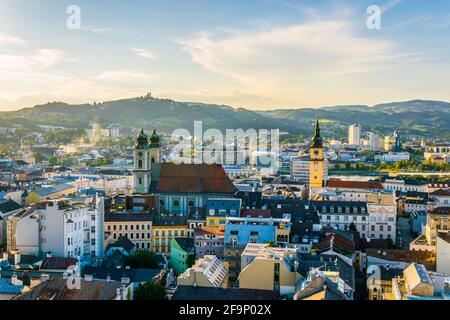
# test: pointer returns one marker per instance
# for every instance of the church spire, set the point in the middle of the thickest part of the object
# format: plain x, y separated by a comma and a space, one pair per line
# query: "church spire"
317, 141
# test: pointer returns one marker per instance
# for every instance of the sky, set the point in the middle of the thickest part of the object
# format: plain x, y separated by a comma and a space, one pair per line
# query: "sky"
257, 54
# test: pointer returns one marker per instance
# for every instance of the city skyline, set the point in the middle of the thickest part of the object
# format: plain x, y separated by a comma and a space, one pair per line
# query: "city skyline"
258, 54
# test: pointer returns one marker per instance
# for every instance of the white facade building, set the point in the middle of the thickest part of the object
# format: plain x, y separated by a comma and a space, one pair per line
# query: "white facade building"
59, 227
373, 141
382, 216
300, 167
354, 134
393, 157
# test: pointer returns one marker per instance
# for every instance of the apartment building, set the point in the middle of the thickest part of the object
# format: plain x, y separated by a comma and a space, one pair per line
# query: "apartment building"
137, 227
267, 268
64, 228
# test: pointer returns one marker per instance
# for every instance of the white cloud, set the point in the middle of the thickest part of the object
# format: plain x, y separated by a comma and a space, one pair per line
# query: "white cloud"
122, 75
287, 53
33, 62
6, 39
145, 53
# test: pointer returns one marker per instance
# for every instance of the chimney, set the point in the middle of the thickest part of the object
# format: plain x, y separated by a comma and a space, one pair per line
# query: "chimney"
16, 257
125, 280
14, 279
88, 277
108, 278
44, 277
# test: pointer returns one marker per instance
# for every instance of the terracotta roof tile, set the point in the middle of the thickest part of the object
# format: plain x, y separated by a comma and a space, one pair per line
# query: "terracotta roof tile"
194, 178
332, 183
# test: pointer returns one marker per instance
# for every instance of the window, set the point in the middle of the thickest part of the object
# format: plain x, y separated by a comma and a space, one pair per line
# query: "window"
161, 203
140, 180
93, 229
93, 242
191, 203
176, 203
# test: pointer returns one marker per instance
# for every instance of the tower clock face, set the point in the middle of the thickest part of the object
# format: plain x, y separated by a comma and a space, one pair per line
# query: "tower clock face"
316, 152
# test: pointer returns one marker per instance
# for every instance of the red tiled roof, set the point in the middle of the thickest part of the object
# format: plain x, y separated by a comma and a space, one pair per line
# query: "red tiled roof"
216, 230
332, 183
194, 178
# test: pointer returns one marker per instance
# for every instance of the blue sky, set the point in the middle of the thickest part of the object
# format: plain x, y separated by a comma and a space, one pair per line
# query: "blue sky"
257, 54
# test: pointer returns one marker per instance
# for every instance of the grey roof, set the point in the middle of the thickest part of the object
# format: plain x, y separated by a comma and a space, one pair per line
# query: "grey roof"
6, 287
7, 206
48, 191
115, 273
122, 242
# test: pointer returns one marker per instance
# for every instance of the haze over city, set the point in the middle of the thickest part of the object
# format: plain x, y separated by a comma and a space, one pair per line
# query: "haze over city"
259, 54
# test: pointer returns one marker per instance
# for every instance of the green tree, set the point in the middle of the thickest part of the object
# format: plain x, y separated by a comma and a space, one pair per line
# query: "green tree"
53, 160
150, 291
142, 259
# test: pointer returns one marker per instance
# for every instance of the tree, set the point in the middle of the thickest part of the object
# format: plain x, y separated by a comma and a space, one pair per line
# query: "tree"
53, 160
142, 259
150, 291
352, 227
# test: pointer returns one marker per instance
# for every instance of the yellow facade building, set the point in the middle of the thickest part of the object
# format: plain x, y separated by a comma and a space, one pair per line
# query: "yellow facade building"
166, 228
267, 268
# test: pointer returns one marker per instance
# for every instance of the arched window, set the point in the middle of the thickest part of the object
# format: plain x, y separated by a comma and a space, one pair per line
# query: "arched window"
153, 160
191, 203
176, 203
140, 164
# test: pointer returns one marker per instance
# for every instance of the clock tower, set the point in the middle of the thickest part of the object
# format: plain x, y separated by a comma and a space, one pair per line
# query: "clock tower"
317, 162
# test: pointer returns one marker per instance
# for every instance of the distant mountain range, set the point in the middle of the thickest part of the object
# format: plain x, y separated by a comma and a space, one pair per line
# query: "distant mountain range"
420, 118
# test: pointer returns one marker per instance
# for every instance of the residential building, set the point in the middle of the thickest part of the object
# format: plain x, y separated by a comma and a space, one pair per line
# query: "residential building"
182, 254
392, 157
354, 134
64, 228
166, 228
437, 222
217, 209
382, 210
208, 271
443, 253
442, 197
209, 240
373, 141
136, 226
404, 185
267, 268
340, 215
300, 168
241, 231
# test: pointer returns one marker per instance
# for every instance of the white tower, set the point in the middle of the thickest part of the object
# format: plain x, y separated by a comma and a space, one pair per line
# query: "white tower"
142, 164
